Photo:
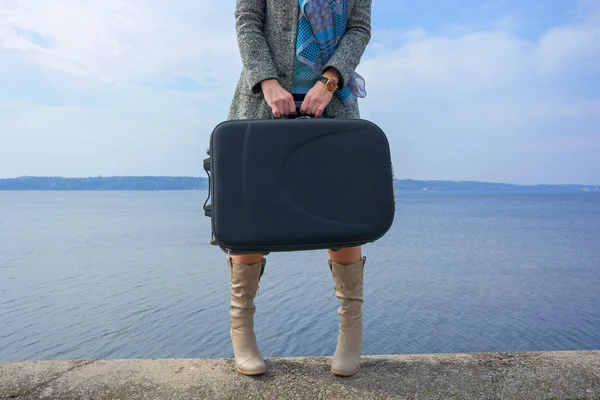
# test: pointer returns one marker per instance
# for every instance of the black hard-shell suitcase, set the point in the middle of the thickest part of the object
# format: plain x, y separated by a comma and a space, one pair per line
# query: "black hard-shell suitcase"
298, 184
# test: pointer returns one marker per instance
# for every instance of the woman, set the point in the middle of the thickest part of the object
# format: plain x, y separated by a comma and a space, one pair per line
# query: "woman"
305, 50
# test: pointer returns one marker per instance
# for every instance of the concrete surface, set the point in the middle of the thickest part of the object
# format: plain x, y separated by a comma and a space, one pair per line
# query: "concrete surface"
546, 375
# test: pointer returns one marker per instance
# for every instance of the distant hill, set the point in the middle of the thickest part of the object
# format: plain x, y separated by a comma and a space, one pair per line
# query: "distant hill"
105, 183
470, 186
128, 183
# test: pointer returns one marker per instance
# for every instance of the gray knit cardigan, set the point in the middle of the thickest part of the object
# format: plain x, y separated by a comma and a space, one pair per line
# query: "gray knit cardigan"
266, 32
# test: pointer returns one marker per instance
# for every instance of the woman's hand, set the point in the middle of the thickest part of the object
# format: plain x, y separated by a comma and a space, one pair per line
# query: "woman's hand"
318, 97
316, 100
280, 100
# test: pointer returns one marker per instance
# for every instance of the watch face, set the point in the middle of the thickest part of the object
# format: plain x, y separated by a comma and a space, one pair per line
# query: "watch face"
331, 85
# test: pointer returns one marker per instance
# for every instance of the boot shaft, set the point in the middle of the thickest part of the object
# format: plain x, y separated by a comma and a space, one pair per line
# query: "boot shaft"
348, 280
244, 280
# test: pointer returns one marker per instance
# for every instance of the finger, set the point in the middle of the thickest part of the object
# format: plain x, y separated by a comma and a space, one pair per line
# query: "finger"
284, 107
292, 105
276, 113
316, 111
312, 109
303, 105
306, 105
319, 111
280, 107
289, 102
316, 104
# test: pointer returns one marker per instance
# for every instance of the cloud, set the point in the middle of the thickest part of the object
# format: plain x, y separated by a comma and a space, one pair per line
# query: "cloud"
117, 40
466, 106
124, 87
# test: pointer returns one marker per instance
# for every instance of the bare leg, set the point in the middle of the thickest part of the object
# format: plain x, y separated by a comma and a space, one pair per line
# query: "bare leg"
346, 256
248, 259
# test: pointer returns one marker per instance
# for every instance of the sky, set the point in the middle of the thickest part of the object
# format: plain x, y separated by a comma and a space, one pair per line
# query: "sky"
497, 90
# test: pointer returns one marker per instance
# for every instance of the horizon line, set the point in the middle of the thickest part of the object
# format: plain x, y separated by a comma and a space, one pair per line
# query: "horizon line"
206, 178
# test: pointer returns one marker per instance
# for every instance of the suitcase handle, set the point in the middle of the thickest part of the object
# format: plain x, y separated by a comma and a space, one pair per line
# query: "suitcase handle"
298, 114
207, 207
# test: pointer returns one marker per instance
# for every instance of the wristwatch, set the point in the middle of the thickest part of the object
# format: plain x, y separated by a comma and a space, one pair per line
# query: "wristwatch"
330, 84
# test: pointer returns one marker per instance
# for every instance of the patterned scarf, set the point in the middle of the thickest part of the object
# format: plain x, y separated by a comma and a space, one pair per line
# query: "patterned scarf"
322, 24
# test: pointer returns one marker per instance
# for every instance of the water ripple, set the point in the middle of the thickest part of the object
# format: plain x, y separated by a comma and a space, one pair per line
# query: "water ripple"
93, 276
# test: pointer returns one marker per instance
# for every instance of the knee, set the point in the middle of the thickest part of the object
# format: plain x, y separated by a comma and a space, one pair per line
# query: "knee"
247, 259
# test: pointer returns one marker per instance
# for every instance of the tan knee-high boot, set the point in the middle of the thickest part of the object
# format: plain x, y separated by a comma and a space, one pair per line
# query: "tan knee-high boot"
348, 281
244, 285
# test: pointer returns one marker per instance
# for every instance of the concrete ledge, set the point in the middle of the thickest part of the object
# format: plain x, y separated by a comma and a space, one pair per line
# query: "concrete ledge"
545, 375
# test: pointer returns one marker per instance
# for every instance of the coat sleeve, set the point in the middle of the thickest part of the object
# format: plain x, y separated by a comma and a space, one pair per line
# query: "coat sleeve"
254, 51
354, 42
